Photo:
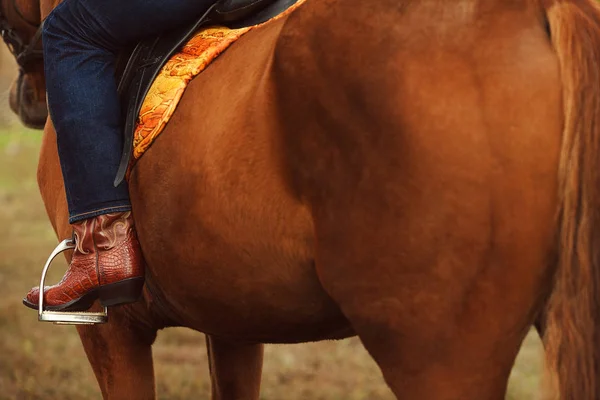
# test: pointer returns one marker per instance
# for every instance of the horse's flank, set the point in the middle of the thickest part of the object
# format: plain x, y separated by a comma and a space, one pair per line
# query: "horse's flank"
430, 164
212, 199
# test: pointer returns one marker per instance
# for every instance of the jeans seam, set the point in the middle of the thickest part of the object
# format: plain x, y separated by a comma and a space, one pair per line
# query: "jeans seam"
100, 210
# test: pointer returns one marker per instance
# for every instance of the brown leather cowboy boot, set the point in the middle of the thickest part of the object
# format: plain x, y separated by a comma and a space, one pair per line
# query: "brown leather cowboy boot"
107, 264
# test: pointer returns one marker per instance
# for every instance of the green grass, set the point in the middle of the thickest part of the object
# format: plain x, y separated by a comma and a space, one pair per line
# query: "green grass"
42, 361
18, 147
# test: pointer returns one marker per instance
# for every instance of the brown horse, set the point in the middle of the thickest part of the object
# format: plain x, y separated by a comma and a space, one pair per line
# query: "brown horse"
421, 173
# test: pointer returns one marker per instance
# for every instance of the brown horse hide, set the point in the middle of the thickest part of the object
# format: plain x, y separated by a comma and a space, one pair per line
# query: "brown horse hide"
423, 174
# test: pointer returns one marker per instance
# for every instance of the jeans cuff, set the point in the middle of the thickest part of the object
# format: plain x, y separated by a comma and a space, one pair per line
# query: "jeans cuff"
101, 211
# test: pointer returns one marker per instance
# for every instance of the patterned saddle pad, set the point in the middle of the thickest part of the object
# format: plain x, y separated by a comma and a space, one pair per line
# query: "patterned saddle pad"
168, 87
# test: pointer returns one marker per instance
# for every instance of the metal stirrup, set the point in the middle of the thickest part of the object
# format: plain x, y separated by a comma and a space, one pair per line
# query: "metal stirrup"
66, 318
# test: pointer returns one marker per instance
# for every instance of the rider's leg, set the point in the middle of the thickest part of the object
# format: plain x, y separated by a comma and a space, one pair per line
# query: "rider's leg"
81, 40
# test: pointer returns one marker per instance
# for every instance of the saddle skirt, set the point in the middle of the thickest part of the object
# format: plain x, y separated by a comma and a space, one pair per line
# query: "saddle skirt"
156, 76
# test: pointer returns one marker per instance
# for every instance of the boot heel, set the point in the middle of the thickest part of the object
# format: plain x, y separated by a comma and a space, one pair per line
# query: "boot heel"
123, 292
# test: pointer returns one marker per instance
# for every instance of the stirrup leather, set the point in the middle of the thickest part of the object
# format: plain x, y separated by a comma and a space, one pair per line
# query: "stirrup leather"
60, 317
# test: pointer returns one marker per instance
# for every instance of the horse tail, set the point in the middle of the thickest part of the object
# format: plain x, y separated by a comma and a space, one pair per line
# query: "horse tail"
572, 337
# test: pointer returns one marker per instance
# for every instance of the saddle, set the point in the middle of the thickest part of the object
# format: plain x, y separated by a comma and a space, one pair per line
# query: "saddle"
147, 58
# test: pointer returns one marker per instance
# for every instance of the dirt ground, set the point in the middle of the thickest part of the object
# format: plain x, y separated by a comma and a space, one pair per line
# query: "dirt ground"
43, 361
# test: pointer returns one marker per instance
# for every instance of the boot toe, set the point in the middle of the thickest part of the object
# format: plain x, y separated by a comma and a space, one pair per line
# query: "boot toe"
34, 295
32, 298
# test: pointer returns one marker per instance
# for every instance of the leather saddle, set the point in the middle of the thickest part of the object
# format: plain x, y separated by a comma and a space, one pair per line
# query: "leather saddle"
139, 66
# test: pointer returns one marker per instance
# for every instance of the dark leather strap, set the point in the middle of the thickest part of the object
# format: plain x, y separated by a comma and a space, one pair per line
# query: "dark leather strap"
138, 76
235, 10
272, 10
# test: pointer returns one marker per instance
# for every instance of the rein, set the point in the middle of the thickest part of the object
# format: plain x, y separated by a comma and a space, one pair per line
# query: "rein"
23, 51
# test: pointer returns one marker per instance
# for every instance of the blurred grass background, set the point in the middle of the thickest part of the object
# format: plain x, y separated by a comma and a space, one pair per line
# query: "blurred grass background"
42, 361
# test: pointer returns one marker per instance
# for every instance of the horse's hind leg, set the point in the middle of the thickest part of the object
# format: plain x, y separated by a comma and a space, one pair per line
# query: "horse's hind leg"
437, 256
440, 274
443, 319
121, 356
235, 369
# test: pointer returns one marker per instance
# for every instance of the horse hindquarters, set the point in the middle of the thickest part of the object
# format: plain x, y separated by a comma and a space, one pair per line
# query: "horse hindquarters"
432, 184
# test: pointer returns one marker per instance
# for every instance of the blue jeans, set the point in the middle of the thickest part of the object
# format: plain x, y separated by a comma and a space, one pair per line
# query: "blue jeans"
81, 41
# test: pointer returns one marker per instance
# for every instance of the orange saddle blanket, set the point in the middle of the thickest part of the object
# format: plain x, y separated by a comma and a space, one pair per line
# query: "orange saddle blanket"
167, 89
